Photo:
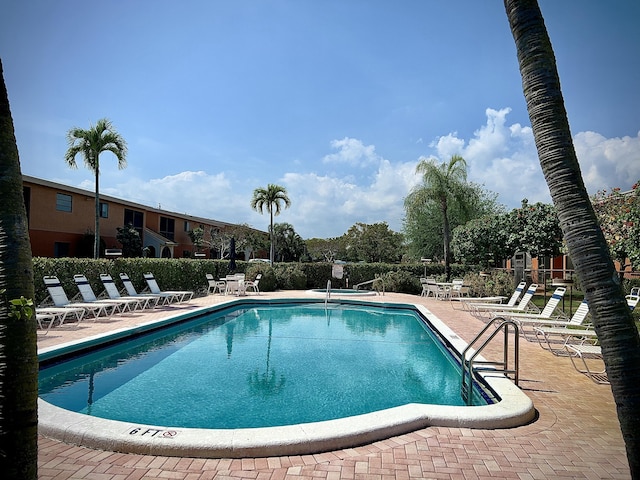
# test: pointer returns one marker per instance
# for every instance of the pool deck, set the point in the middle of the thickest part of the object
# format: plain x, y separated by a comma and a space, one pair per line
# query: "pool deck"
576, 434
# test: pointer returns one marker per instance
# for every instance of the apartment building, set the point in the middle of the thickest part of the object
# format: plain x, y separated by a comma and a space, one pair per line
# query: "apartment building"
61, 217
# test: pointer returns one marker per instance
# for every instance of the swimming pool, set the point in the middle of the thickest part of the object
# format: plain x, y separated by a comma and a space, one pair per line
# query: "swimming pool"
262, 366
258, 329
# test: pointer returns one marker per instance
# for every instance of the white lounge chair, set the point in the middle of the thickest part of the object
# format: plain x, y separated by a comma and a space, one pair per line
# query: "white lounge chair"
556, 338
138, 302
548, 316
466, 302
162, 299
632, 300
47, 317
59, 298
178, 295
492, 309
584, 353
88, 295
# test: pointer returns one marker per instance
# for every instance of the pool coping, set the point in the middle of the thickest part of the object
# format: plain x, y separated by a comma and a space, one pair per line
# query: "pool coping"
513, 409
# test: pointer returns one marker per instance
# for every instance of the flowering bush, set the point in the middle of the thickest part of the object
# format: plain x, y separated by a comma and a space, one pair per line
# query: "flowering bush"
619, 217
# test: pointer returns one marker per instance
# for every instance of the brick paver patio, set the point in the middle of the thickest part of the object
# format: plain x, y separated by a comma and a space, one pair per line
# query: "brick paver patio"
576, 434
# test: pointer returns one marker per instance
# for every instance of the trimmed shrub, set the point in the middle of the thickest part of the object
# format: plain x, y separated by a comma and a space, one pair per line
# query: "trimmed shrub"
268, 282
399, 281
498, 282
189, 274
291, 277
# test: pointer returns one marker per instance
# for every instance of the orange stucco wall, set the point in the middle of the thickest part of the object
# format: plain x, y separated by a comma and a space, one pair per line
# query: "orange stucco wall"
48, 226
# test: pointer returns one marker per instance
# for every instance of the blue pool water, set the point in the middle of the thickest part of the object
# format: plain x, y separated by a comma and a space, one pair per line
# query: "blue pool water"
257, 366
344, 291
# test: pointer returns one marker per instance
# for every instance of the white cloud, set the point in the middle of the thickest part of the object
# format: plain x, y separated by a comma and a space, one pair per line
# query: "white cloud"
326, 206
352, 152
504, 158
500, 156
608, 162
194, 193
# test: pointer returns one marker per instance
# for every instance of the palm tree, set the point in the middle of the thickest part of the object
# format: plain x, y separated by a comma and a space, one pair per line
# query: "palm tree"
445, 184
616, 331
90, 144
270, 198
18, 349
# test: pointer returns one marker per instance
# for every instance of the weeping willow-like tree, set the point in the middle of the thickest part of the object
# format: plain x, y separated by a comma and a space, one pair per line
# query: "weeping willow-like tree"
585, 241
445, 185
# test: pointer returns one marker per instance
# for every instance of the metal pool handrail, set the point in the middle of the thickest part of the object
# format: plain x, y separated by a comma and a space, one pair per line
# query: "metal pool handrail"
468, 364
328, 297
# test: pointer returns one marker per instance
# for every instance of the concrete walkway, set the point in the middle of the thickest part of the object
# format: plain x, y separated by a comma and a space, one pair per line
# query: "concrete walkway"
575, 436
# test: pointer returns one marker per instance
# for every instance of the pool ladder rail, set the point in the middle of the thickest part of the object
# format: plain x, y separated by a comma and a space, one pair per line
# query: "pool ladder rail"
328, 297
471, 365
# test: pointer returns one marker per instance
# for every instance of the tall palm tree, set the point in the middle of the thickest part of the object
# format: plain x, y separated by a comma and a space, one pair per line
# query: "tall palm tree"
616, 331
445, 184
270, 198
90, 144
18, 349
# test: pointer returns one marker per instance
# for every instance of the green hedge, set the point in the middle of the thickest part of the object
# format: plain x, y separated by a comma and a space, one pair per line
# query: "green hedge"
189, 274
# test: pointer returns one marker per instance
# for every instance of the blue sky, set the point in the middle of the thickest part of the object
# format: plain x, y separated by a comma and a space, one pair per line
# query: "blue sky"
336, 100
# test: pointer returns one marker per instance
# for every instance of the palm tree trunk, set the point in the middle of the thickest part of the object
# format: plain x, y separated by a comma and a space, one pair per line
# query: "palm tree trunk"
587, 247
271, 236
446, 236
96, 240
18, 349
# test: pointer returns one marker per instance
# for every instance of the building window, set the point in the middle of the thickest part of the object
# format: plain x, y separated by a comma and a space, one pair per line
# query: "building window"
187, 226
167, 227
135, 219
60, 249
63, 202
104, 210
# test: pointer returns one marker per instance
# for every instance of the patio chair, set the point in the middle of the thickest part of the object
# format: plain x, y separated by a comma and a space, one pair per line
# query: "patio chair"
428, 287
234, 284
425, 289
458, 289
253, 285
493, 300
524, 305
179, 295
215, 286
139, 302
584, 353
443, 290
87, 294
161, 298
59, 298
